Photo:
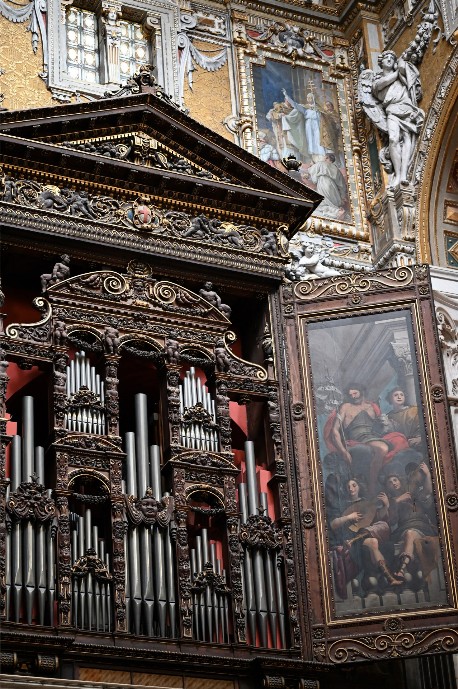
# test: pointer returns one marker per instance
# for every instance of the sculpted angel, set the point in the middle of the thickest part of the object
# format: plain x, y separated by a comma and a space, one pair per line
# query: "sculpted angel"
389, 98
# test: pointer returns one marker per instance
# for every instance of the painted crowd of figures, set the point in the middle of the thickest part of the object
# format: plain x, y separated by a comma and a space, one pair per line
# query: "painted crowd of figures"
381, 519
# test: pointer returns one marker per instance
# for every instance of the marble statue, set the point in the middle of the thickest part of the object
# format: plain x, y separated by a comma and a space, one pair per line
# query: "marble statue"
389, 98
308, 251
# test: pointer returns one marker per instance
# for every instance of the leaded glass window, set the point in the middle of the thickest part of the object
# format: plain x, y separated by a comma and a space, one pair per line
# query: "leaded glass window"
82, 45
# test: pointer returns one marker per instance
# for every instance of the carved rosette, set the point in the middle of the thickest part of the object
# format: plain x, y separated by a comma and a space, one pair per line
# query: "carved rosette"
64, 564
111, 393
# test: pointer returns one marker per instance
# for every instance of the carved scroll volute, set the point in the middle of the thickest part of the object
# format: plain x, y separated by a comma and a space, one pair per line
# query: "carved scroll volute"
60, 386
172, 395
111, 393
183, 556
64, 564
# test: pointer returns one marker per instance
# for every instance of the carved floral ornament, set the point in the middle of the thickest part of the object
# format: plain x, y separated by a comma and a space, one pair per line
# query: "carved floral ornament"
31, 502
139, 215
259, 531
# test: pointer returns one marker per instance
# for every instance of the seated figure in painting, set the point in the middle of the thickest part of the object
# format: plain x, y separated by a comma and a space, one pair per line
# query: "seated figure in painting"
411, 517
360, 536
404, 418
356, 432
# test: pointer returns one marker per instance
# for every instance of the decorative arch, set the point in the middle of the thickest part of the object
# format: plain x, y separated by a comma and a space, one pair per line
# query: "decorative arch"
432, 165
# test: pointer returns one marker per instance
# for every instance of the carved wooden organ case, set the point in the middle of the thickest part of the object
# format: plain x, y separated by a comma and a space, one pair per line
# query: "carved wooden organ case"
136, 517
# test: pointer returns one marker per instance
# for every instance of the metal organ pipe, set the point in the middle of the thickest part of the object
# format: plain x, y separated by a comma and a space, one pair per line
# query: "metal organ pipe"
210, 608
194, 435
91, 598
80, 373
30, 550
150, 588
262, 580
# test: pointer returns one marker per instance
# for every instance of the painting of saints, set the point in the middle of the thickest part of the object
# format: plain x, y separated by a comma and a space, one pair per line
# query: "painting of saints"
301, 114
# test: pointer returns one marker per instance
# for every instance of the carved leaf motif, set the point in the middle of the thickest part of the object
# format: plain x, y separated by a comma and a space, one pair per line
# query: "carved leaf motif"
30, 501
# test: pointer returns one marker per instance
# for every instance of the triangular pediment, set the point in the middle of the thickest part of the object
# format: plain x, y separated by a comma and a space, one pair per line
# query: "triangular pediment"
182, 161
139, 148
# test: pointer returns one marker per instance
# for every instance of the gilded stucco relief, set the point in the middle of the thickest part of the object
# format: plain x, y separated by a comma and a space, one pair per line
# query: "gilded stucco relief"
20, 83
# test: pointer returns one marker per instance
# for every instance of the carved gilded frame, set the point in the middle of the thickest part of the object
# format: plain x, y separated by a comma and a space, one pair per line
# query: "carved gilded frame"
335, 68
391, 628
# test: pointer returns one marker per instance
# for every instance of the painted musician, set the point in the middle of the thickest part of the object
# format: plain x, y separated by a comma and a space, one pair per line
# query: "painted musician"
356, 432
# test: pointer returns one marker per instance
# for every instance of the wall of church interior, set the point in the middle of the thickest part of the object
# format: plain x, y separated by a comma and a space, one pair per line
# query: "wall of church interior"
228, 388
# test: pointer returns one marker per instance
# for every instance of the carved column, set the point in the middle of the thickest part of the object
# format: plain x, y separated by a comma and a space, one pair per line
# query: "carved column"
183, 557
235, 558
222, 415
64, 563
4, 482
173, 405
111, 394
60, 399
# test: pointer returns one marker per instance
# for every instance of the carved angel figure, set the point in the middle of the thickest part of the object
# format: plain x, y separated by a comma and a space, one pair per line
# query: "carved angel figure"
389, 98
149, 511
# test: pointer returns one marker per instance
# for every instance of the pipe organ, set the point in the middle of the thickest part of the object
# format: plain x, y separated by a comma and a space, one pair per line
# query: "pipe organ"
152, 536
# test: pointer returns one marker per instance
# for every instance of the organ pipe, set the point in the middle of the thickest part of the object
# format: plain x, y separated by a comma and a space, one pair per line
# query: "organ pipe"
197, 434
210, 605
150, 585
30, 550
81, 374
262, 580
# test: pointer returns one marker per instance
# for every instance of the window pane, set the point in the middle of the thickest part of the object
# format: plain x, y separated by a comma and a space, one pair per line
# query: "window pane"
134, 49
82, 45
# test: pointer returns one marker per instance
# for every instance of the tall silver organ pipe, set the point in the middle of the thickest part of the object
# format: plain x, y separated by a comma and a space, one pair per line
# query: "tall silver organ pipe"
194, 434
210, 606
150, 581
91, 604
262, 579
80, 374
30, 575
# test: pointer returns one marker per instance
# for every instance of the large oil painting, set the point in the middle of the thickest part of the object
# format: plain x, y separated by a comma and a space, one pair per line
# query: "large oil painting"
297, 113
381, 521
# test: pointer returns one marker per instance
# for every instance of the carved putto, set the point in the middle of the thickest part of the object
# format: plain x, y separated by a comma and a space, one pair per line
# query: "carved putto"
149, 511
61, 271
309, 255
